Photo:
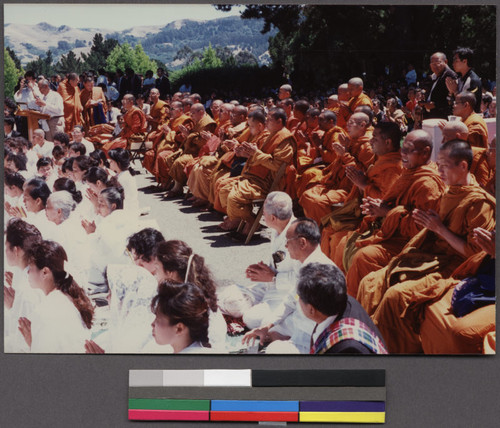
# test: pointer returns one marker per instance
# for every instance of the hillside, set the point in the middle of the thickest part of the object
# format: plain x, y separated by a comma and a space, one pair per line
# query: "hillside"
159, 42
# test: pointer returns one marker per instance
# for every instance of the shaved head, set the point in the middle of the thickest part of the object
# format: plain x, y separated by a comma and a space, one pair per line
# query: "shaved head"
439, 55
420, 139
343, 92
456, 130
198, 107
356, 81
355, 86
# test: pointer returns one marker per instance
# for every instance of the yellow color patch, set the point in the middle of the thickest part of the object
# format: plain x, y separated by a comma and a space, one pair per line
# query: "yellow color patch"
355, 417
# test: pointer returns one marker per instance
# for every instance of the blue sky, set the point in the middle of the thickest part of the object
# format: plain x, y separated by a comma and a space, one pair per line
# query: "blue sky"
112, 16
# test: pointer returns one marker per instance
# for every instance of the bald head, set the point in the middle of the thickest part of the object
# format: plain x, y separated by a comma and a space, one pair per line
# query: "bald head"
343, 92
357, 125
366, 110
456, 130
420, 139
355, 86
197, 112
285, 91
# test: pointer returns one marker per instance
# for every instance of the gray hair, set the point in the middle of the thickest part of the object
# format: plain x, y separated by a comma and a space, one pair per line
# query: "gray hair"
279, 204
64, 201
43, 82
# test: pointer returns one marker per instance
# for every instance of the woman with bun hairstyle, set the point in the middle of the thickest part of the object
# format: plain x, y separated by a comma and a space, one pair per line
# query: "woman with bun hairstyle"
35, 195
84, 208
176, 262
119, 162
61, 322
181, 321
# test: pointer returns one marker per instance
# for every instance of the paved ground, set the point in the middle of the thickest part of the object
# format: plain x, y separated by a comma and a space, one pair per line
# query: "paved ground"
226, 258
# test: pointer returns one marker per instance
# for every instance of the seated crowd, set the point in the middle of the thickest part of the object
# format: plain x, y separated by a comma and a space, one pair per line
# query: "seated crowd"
375, 247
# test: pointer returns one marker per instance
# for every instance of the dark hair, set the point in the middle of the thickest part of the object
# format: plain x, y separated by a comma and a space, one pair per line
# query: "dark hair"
58, 152
174, 256
62, 137
10, 103
323, 287
84, 162
458, 151
67, 165
21, 234
186, 304
114, 195
121, 157
315, 112
257, 115
468, 97
368, 111
307, 228
38, 189
80, 127
67, 184
330, 115
278, 113
9, 120
19, 160
99, 156
391, 131
78, 148
51, 255
44, 161
144, 242
302, 106
94, 174
14, 179
465, 53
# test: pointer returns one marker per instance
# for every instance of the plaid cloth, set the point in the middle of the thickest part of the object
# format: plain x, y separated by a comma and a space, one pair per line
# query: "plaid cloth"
345, 329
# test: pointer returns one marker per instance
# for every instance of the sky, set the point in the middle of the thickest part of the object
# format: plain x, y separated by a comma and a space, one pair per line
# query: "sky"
109, 16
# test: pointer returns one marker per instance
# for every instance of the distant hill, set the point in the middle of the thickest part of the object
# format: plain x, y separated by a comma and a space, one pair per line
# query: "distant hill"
159, 42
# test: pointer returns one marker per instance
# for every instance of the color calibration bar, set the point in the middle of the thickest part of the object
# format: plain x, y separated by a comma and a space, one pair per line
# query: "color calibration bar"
356, 396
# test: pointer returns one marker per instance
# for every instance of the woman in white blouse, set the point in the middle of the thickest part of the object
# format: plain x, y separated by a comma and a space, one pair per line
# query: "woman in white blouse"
61, 322
119, 162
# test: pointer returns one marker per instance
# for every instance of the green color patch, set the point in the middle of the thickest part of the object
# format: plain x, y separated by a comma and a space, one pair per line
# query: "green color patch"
166, 404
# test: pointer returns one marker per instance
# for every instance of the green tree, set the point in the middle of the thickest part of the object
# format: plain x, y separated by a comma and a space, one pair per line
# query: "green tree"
69, 63
42, 65
99, 51
11, 74
124, 57
15, 58
210, 58
245, 57
142, 61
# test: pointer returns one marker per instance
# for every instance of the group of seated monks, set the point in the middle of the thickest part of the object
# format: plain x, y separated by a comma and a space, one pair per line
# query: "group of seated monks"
404, 229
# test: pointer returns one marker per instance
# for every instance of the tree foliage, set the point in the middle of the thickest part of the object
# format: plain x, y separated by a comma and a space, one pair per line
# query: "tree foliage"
11, 74
123, 56
42, 65
69, 64
319, 46
99, 52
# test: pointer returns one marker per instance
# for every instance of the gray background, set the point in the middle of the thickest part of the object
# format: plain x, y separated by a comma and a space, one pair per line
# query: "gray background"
91, 391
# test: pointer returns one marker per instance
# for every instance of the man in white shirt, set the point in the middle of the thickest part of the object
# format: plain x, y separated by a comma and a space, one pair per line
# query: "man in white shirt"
288, 321
28, 92
79, 137
41, 146
50, 102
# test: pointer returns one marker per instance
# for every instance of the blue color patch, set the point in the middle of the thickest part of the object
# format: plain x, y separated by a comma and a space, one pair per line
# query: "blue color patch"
254, 406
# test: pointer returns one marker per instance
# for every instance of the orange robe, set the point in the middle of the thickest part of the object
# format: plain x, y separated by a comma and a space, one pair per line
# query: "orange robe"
359, 100
135, 125
96, 94
335, 186
72, 105
159, 113
420, 188
480, 168
177, 161
478, 131
380, 177
313, 174
200, 177
426, 259
168, 143
258, 175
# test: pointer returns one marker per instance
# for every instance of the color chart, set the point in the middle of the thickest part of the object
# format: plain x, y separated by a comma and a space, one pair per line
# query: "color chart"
335, 396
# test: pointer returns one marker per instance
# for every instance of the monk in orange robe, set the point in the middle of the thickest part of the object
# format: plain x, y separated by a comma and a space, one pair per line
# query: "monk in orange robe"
335, 186
90, 97
419, 186
445, 241
204, 127
170, 141
68, 89
373, 184
342, 111
321, 154
464, 108
480, 167
260, 169
135, 125
157, 116
200, 177
357, 98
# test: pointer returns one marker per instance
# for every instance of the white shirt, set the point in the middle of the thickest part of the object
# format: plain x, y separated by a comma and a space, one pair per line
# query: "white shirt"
45, 150
27, 96
131, 201
89, 146
54, 104
57, 326
196, 348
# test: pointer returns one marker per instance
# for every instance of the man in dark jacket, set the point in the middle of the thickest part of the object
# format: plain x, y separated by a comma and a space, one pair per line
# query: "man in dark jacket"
342, 325
437, 104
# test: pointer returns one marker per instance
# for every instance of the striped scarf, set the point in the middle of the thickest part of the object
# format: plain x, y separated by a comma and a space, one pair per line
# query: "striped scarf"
345, 329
